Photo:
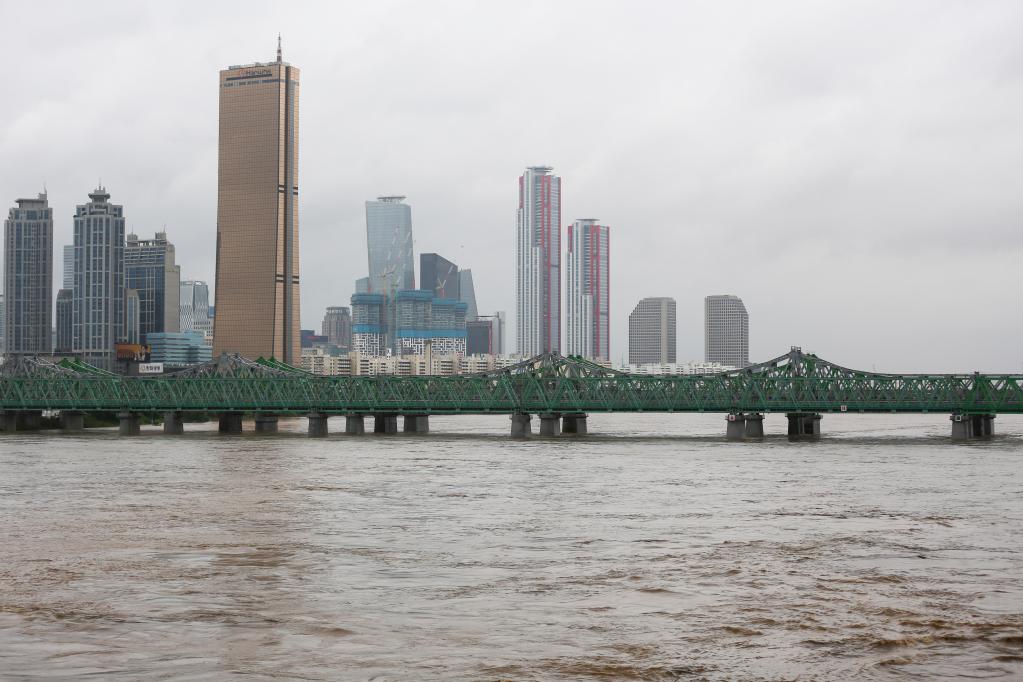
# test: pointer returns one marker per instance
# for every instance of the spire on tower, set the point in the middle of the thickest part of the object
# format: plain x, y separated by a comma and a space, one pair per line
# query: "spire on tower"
279, 58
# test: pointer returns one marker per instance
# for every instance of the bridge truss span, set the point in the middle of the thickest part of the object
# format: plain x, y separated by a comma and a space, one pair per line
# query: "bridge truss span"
793, 383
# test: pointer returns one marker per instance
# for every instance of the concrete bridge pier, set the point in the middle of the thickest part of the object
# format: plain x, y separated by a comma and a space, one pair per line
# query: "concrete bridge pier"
755, 426
266, 423
804, 425
72, 420
385, 423
317, 424
417, 423
8, 421
355, 424
30, 420
128, 423
550, 424
736, 429
574, 424
173, 423
230, 422
521, 425
972, 426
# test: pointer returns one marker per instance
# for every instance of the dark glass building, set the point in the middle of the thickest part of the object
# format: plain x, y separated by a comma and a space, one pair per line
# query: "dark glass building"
439, 275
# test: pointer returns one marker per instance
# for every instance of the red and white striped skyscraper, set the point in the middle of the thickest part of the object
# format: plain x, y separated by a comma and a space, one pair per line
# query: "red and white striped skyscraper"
587, 309
538, 263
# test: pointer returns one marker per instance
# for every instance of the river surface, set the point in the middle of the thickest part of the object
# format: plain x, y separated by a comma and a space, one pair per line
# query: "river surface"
649, 550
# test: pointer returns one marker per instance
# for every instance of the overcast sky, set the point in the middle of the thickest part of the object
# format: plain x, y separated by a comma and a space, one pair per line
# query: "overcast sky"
852, 170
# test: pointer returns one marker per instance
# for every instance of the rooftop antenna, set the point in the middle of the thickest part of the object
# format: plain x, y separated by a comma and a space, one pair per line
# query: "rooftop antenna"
279, 58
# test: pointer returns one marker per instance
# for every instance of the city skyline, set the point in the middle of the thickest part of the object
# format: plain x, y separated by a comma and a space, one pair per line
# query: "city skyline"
714, 172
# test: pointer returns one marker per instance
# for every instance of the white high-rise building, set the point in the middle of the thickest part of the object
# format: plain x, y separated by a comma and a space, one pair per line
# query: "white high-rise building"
652, 331
587, 310
726, 330
194, 307
538, 263
98, 297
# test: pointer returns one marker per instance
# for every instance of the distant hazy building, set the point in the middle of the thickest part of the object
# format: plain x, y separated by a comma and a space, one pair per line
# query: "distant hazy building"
538, 263
726, 330
28, 277
485, 335
439, 275
369, 324
132, 317
447, 326
687, 368
257, 285
500, 324
652, 332
389, 245
149, 269
194, 309
587, 301
337, 326
98, 314
64, 338
69, 267
421, 317
178, 349
3, 321
467, 294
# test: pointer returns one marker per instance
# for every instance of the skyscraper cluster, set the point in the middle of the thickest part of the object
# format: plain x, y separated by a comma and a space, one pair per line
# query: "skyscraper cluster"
538, 274
389, 314
122, 289
119, 292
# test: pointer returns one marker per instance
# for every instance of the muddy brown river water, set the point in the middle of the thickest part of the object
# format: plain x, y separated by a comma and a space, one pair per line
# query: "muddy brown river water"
650, 550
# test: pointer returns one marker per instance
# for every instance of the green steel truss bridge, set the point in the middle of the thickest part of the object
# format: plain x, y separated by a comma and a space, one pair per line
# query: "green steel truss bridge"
799, 384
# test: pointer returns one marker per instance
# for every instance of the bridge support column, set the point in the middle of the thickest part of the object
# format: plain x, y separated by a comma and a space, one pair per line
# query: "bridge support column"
972, 426
72, 420
266, 423
8, 421
574, 424
317, 424
128, 423
417, 423
521, 425
385, 423
754, 426
736, 429
30, 420
804, 426
173, 423
230, 422
550, 424
355, 424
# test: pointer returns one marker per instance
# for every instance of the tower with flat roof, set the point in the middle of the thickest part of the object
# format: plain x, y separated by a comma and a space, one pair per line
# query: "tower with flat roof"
28, 277
587, 308
257, 280
538, 263
726, 330
652, 331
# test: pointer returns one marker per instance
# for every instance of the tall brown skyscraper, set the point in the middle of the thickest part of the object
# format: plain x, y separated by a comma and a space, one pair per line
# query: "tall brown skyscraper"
257, 288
